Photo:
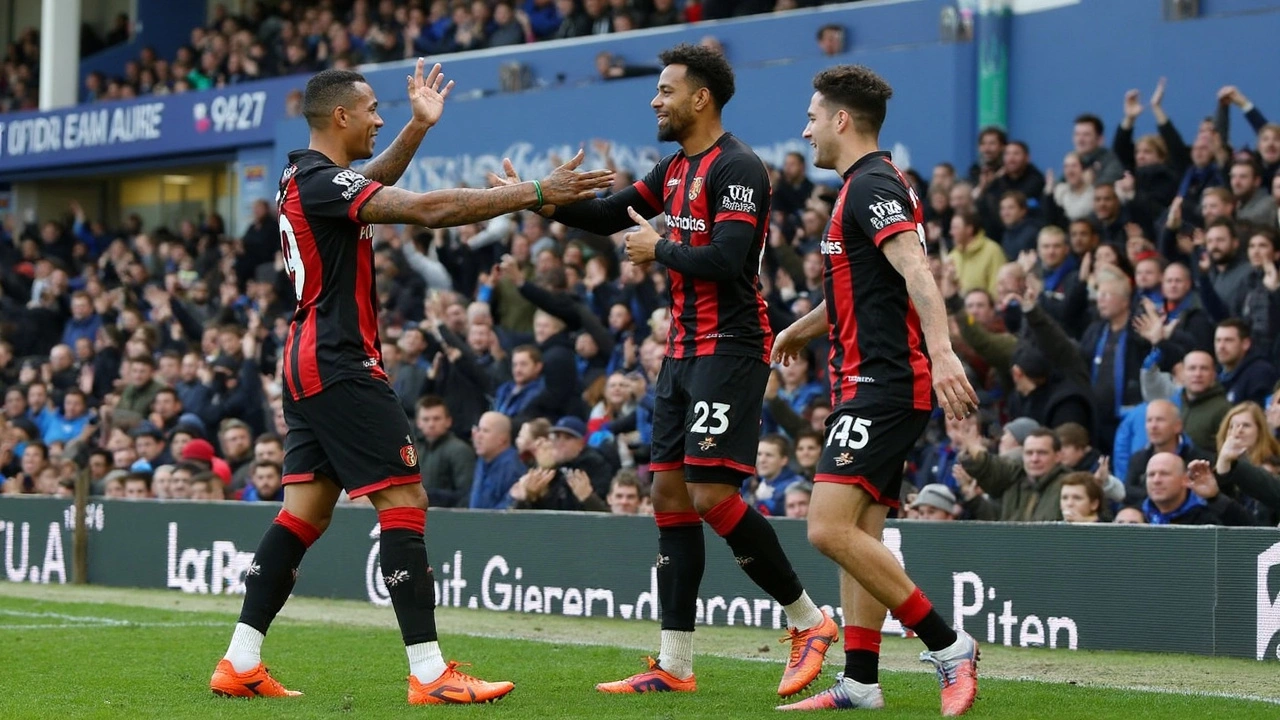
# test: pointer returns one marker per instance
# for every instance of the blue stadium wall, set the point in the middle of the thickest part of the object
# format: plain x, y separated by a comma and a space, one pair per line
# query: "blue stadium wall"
1060, 65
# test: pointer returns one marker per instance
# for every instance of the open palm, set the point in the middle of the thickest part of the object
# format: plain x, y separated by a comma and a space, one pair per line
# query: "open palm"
426, 96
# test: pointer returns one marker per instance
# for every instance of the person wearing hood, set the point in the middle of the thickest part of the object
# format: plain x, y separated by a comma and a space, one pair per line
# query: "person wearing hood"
1027, 490
1245, 375
1043, 395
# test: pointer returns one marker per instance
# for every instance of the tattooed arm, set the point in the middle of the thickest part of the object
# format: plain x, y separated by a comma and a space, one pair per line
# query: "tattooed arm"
461, 206
390, 164
446, 208
905, 252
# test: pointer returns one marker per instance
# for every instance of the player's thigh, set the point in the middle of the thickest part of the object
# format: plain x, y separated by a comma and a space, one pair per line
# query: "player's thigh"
666, 446
309, 490
722, 422
367, 437
864, 449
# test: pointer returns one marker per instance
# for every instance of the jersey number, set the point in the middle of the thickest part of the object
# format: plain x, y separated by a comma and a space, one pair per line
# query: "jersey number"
715, 411
850, 432
292, 256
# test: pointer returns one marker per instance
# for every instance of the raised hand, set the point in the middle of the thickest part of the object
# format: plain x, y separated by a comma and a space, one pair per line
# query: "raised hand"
641, 244
1103, 473
1157, 95
1132, 106
1203, 481
1029, 296
426, 97
565, 186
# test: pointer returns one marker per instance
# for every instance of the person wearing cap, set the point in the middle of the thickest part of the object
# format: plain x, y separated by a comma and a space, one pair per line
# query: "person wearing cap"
1042, 395
201, 450
567, 475
935, 501
150, 444
1027, 489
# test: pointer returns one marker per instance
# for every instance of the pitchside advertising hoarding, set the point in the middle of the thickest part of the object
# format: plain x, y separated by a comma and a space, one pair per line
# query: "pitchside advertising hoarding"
1210, 591
150, 127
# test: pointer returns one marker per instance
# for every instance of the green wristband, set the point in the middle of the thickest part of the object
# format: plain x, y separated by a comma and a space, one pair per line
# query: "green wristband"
537, 187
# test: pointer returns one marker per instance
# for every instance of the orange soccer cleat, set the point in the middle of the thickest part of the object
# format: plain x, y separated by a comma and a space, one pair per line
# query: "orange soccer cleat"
655, 679
456, 688
254, 683
957, 669
808, 650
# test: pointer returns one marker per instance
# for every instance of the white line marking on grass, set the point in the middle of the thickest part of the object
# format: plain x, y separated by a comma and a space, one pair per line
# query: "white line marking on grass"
79, 622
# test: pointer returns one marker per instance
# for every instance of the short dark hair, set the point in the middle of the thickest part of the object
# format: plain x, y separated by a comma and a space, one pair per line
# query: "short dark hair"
1017, 196
970, 219
1045, 432
1222, 222
275, 466
1020, 144
703, 68
809, 434
1249, 162
1073, 434
531, 350
326, 90
780, 442
269, 437
1269, 234
430, 402
626, 477
858, 89
993, 130
1240, 326
1090, 119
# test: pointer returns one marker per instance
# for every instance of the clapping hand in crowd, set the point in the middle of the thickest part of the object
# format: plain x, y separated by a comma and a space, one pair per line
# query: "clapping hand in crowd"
1203, 482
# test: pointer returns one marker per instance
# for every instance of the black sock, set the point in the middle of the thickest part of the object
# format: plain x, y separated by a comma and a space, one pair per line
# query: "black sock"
682, 557
918, 614
862, 666
409, 582
271, 576
756, 549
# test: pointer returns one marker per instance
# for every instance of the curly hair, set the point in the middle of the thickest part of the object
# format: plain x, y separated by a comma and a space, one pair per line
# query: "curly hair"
704, 68
860, 91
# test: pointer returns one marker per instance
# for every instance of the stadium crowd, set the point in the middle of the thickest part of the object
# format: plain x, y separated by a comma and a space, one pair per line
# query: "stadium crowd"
289, 38
1120, 317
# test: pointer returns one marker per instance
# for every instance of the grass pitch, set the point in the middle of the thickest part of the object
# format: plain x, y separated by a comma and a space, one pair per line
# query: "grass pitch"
74, 652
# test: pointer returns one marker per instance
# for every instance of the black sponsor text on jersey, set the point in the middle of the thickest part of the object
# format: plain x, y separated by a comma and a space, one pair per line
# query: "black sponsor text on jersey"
877, 345
328, 254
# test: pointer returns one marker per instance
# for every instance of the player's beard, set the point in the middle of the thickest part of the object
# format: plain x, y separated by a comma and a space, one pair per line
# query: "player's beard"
674, 129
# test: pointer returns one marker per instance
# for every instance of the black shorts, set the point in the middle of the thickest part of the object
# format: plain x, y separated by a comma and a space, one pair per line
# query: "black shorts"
707, 417
867, 446
355, 433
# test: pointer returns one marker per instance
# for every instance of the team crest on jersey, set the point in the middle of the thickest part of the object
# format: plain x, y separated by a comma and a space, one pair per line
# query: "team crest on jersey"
695, 188
707, 443
843, 459
409, 454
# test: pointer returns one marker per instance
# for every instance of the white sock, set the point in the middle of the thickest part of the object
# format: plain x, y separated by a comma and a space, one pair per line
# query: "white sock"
245, 651
803, 613
425, 661
676, 653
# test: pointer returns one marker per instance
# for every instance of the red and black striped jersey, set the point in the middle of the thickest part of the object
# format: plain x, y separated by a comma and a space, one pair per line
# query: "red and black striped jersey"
877, 345
328, 254
718, 197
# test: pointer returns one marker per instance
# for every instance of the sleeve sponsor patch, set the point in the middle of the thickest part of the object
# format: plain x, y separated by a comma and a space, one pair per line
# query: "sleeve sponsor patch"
886, 212
353, 181
739, 198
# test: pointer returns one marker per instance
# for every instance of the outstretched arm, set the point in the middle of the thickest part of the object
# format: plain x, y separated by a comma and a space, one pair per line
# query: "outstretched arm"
461, 206
905, 251
426, 97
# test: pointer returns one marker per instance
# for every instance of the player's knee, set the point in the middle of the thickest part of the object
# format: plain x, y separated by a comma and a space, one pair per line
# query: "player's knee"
707, 497
824, 537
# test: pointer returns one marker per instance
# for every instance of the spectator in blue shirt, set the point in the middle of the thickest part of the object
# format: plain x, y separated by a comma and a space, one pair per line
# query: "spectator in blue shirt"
526, 383
798, 388
498, 465
767, 490
83, 323
70, 423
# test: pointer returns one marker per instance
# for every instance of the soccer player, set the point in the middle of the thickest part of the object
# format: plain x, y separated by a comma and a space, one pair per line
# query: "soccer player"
881, 311
334, 378
706, 426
